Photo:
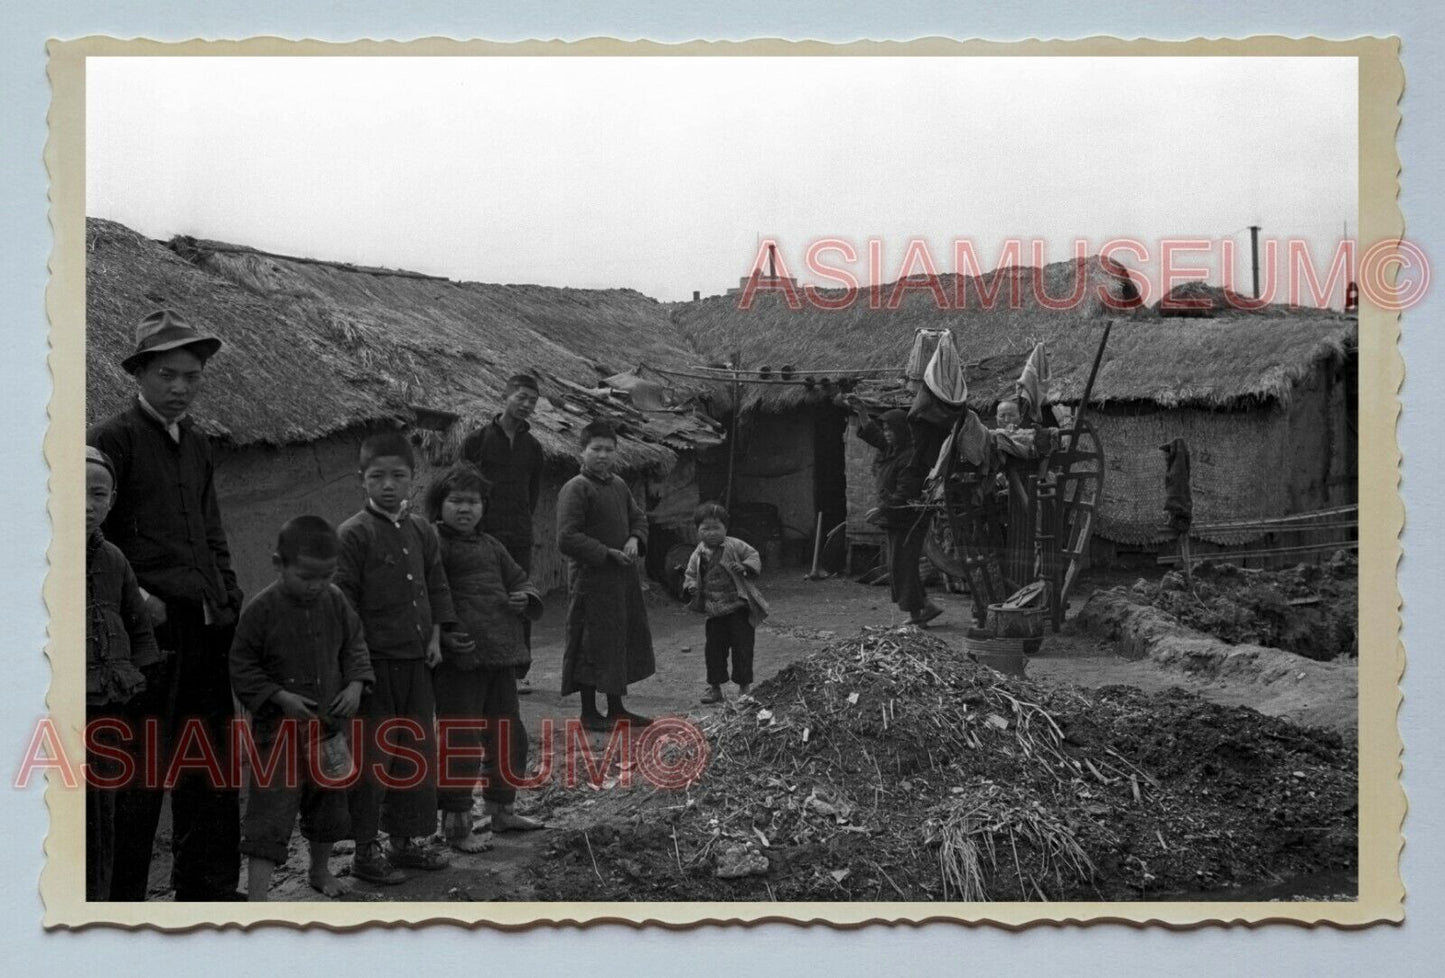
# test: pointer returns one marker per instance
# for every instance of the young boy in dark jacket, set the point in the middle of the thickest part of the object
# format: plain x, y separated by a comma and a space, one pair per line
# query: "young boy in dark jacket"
299, 664
476, 683
390, 570
118, 645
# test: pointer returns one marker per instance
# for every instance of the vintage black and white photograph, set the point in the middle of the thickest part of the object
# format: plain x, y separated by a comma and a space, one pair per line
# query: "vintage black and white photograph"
921, 481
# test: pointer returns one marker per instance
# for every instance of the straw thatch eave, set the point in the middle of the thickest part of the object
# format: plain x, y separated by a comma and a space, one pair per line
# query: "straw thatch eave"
1210, 363
315, 348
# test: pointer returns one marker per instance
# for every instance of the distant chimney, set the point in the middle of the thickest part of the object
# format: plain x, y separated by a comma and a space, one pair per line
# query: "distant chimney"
696, 295
1254, 250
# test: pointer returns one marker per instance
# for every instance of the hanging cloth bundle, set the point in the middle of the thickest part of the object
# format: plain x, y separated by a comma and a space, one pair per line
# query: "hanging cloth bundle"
925, 341
1178, 497
944, 375
1032, 387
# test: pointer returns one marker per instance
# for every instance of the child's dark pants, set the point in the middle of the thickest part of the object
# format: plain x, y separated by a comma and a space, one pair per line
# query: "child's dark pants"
729, 633
489, 695
400, 706
273, 802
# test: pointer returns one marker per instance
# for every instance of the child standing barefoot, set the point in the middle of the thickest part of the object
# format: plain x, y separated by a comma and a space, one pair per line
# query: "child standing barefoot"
717, 576
298, 659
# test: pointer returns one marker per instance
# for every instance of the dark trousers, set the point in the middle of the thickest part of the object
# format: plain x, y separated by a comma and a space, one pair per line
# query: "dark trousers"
905, 540
391, 794
489, 695
99, 840
194, 684
729, 633
99, 816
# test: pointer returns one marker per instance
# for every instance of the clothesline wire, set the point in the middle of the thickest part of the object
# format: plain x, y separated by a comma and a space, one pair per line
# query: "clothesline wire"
818, 377
728, 372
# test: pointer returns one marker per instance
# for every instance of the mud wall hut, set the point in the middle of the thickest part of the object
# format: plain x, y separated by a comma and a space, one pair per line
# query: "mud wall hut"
319, 354
796, 444
1265, 399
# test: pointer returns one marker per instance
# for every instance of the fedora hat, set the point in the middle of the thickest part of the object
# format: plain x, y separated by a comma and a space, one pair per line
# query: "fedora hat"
165, 330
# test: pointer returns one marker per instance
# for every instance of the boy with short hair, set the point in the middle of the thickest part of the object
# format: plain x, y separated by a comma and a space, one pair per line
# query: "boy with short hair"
119, 644
602, 531
390, 569
716, 577
299, 664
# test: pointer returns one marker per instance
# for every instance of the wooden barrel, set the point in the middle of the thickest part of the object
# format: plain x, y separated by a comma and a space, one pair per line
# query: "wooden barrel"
1004, 654
1015, 622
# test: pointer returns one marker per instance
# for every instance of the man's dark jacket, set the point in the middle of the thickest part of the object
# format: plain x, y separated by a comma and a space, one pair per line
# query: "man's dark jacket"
514, 467
166, 519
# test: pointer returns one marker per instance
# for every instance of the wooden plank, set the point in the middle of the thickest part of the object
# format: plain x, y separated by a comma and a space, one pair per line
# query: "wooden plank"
1073, 570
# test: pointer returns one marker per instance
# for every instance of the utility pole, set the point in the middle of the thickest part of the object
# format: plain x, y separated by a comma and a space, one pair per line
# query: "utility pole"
1254, 251
1352, 288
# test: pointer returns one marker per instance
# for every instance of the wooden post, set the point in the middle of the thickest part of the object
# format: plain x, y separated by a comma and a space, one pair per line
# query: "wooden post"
733, 436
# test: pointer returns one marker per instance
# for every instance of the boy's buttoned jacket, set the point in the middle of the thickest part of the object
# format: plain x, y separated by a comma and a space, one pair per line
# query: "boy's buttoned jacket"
391, 572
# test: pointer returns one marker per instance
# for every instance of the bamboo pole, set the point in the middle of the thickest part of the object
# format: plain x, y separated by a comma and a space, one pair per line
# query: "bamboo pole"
733, 437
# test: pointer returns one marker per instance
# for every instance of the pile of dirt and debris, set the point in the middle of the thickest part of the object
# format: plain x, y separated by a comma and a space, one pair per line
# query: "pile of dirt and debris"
1310, 610
890, 767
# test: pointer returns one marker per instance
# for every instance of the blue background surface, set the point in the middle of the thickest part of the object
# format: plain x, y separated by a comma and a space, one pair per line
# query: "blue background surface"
775, 949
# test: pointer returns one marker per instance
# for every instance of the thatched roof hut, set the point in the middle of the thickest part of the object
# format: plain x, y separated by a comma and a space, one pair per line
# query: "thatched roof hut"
1198, 298
1203, 363
1264, 396
314, 348
318, 354
876, 330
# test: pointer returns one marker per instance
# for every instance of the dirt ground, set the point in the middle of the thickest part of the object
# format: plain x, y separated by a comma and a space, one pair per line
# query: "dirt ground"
807, 615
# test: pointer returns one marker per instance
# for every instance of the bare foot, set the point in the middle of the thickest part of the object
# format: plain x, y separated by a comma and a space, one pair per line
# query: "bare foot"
471, 842
324, 883
459, 834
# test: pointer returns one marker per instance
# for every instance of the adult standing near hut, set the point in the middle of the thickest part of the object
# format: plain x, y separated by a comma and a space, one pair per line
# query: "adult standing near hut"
167, 522
510, 456
906, 527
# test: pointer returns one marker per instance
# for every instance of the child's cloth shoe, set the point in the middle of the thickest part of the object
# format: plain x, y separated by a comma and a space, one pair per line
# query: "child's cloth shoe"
712, 695
370, 864
412, 856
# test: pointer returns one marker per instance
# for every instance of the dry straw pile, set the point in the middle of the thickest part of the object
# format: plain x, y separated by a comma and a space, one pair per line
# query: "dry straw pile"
890, 767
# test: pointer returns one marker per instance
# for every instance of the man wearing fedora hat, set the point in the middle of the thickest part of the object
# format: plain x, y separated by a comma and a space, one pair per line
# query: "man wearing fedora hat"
167, 522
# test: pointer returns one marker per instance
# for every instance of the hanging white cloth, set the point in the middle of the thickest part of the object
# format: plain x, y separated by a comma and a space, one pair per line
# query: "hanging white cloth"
944, 374
1033, 385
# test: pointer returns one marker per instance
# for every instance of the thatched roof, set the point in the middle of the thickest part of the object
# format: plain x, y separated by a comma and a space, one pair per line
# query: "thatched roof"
1183, 302
1201, 362
314, 348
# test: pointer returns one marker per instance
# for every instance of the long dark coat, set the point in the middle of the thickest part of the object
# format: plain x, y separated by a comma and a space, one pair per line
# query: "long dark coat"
609, 644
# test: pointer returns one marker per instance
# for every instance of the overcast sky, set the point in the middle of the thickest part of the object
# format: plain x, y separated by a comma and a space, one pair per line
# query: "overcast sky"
661, 174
